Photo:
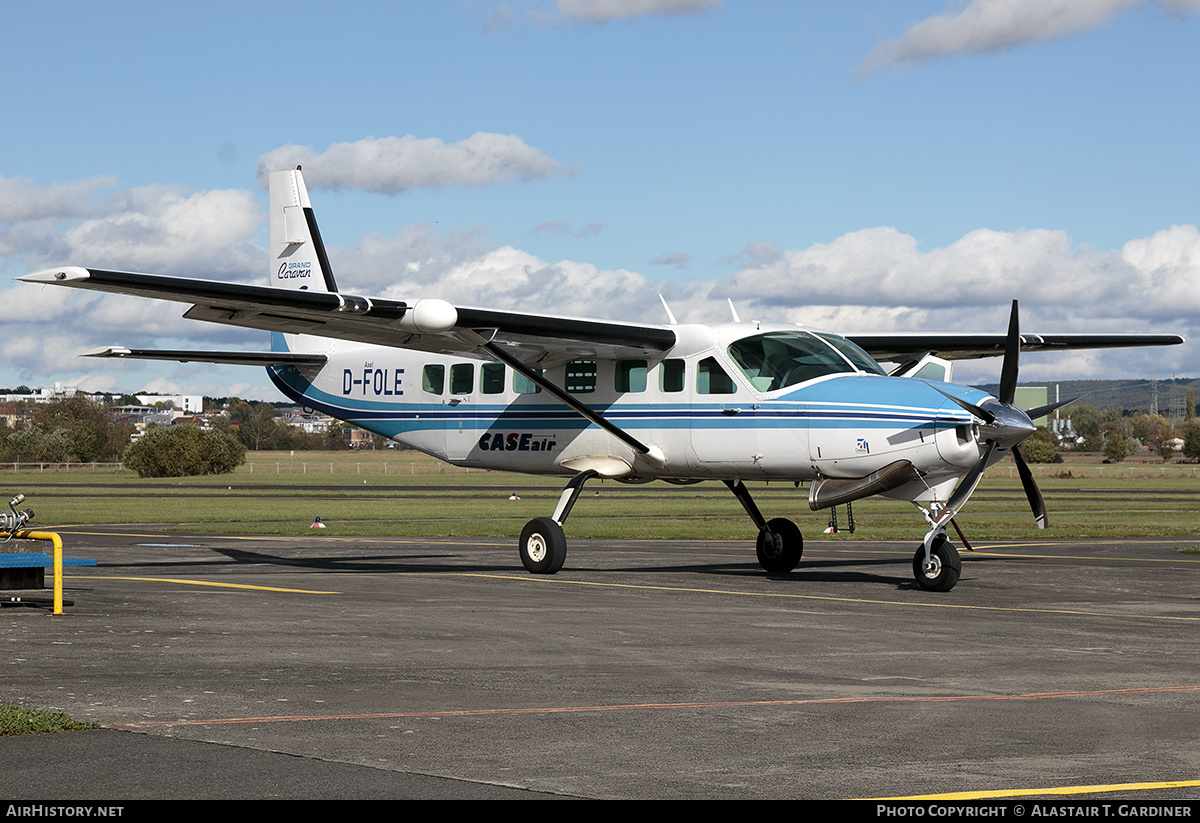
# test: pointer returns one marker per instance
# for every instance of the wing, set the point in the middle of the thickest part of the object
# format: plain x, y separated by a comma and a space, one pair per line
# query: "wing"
436, 326
428, 325
905, 347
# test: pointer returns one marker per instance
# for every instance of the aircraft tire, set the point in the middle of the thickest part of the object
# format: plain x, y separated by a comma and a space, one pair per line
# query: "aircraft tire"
946, 566
780, 546
543, 546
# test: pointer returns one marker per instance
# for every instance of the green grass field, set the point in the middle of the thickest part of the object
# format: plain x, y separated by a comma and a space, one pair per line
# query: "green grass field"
408, 494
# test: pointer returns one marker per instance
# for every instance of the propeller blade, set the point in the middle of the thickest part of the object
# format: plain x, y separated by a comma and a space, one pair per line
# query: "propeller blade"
1036, 501
1012, 356
983, 414
1006, 427
1042, 411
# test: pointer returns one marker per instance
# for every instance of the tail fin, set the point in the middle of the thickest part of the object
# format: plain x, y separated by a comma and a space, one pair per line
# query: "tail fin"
298, 259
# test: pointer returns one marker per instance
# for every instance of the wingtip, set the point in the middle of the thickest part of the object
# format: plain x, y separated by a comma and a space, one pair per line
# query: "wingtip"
61, 275
107, 351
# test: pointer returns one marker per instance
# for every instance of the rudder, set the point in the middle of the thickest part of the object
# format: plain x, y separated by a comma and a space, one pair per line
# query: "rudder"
298, 259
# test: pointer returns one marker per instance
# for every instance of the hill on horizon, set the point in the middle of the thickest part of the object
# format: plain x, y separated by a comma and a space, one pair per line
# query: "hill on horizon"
1130, 395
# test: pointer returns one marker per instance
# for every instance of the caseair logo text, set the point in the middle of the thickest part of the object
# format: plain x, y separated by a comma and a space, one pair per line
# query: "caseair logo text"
291, 271
515, 442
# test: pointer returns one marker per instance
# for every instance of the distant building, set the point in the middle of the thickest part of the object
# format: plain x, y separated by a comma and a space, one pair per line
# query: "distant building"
1064, 432
145, 416
43, 395
307, 420
1030, 397
191, 403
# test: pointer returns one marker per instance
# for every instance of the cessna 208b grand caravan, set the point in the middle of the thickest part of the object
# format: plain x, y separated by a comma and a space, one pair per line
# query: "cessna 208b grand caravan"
542, 394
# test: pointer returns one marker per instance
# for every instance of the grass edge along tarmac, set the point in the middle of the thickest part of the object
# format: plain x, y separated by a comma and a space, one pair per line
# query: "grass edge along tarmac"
15, 720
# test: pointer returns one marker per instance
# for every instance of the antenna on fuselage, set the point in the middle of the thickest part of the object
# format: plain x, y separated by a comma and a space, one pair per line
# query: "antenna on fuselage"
670, 316
733, 311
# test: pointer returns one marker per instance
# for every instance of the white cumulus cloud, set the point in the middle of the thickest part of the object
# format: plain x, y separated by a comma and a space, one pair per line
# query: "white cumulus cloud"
392, 165
603, 11
148, 228
996, 25
23, 200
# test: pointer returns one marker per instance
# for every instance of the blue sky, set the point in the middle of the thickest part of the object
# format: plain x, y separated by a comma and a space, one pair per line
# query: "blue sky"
857, 166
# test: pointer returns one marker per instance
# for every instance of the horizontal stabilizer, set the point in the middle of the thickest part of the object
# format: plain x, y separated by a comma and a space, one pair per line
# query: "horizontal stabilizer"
236, 358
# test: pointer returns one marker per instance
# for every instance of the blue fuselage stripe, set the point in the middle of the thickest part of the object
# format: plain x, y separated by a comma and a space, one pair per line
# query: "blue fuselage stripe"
409, 417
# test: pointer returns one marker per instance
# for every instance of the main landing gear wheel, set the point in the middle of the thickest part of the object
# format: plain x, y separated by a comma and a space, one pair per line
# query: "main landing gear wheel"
780, 546
543, 546
943, 569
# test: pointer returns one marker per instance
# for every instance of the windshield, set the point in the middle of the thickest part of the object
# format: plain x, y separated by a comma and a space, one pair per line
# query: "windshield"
854, 354
776, 360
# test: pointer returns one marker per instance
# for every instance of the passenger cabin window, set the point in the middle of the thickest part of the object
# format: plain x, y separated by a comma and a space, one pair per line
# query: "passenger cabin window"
631, 375
581, 376
712, 379
491, 378
523, 385
670, 376
462, 378
433, 379
776, 360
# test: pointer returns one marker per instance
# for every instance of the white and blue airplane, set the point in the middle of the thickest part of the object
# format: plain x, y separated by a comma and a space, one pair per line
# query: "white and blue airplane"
587, 398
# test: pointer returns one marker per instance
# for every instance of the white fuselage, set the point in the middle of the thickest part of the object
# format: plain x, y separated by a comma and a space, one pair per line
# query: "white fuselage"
707, 414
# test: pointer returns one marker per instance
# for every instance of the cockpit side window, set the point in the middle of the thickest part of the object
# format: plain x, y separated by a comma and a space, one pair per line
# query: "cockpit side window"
776, 360
712, 379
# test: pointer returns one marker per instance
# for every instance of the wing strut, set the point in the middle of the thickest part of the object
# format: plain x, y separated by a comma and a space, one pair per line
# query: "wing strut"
584, 411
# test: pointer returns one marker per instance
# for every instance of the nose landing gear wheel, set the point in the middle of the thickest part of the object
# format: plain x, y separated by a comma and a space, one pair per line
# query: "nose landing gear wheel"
943, 569
543, 546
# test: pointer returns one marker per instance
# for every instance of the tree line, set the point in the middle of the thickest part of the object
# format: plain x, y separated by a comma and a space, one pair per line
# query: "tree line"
79, 429
1116, 433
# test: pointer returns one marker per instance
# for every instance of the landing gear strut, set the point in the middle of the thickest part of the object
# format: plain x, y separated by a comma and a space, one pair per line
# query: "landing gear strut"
543, 544
936, 565
780, 544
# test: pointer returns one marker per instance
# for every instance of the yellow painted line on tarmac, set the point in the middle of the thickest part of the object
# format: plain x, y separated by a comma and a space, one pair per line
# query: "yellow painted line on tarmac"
172, 535
999, 551
1061, 790
541, 579
198, 538
625, 707
201, 583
